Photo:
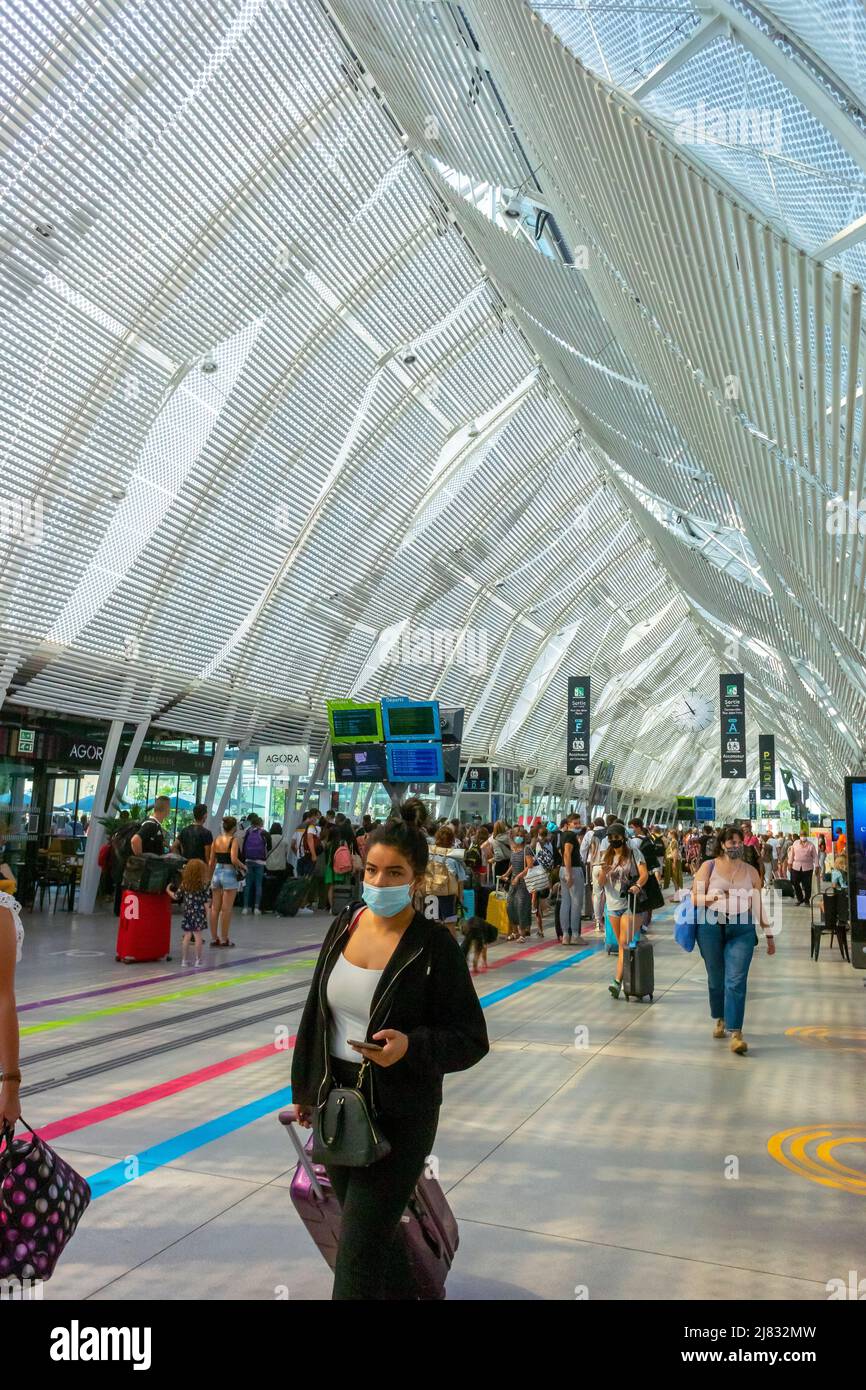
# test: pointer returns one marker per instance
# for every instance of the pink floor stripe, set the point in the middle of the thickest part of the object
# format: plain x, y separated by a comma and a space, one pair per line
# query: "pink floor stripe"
177, 1084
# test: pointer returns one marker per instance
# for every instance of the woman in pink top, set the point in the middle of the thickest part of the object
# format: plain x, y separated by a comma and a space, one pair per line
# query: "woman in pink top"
803, 861
729, 892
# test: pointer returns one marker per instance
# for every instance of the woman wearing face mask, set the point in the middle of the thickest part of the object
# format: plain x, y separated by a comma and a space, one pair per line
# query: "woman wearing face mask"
519, 902
623, 875
730, 890
386, 975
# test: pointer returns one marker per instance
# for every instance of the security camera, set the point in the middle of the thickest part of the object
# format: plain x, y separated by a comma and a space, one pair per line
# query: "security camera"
512, 207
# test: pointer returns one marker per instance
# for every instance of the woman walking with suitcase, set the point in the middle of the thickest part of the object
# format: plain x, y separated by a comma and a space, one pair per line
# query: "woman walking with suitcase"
623, 875
383, 963
730, 890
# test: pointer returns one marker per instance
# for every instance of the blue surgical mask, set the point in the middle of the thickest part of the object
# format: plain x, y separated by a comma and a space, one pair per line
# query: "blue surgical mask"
518, 839
387, 902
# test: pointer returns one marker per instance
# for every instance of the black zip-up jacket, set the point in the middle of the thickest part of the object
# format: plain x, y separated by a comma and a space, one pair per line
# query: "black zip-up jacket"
425, 992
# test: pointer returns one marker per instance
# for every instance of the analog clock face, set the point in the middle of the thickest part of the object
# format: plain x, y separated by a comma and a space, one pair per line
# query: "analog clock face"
693, 711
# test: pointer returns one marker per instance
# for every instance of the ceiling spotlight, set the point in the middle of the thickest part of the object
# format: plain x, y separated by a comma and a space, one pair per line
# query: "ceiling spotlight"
410, 357
43, 228
209, 364
472, 431
512, 207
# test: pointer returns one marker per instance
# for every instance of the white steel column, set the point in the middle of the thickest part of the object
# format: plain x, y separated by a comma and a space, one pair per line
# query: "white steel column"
214, 820
126, 770
213, 778
90, 873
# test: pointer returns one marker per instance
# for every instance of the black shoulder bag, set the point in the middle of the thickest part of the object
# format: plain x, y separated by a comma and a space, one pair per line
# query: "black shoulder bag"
344, 1131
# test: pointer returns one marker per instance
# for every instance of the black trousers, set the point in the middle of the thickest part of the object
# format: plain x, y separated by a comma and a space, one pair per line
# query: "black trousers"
372, 1262
802, 881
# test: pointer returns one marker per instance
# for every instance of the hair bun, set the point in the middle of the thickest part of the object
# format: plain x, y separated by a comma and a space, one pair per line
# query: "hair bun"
413, 812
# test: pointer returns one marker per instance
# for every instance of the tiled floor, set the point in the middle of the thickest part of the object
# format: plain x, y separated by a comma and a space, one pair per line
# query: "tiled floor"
604, 1149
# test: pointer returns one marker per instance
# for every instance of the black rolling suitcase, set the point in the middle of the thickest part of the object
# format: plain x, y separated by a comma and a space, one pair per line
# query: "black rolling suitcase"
293, 894
638, 976
785, 887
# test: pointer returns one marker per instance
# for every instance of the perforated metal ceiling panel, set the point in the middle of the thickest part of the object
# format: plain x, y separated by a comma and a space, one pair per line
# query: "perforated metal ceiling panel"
284, 387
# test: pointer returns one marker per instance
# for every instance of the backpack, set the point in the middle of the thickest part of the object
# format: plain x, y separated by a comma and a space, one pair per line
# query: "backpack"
121, 845
472, 857
439, 881
342, 860
648, 850
255, 845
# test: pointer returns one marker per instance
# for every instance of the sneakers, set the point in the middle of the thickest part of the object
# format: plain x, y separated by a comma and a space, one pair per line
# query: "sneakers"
305, 912
197, 963
184, 964
615, 988
719, 1030
257, 912
245, 912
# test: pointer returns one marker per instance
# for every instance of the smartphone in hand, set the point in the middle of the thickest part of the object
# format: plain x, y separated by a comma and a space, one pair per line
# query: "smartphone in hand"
370, 1046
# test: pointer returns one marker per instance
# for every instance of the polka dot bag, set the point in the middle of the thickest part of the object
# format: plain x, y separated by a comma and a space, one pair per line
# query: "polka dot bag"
42, 1201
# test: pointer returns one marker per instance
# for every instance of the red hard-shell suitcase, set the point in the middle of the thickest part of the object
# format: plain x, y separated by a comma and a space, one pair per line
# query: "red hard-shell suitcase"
429, 1226
144, 929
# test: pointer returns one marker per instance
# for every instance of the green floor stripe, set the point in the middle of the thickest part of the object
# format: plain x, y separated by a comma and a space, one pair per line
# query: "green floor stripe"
190, 993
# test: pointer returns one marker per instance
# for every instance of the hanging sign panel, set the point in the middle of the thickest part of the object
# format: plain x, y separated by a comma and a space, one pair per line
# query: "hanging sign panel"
732, 712
767, 766
577, 725
283, 760
753, 804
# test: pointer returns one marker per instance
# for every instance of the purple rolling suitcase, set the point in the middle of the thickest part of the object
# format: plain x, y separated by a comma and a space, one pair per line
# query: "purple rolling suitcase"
428, 1223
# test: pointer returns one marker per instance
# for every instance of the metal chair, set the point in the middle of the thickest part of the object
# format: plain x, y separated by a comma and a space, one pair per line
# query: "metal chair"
832, 917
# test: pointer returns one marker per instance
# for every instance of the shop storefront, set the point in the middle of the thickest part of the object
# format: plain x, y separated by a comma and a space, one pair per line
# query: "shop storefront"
49, 768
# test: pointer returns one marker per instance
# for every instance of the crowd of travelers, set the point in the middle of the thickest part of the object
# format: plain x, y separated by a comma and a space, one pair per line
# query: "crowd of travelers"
392, 981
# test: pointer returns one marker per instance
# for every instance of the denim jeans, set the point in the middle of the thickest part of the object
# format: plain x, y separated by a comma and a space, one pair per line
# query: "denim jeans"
253, 889
571, 901
727, 949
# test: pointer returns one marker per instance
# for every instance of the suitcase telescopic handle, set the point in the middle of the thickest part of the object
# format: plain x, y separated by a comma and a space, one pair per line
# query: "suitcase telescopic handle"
288, 1118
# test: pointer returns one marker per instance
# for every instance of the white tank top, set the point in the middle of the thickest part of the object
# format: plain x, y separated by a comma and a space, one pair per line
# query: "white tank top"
349, 993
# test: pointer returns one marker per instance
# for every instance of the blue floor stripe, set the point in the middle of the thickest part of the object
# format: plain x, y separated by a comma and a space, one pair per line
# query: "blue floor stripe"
536, 977
129, 1169
121, 1174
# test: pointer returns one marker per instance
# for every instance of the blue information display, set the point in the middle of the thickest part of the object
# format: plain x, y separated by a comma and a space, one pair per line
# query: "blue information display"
705, 809
415, 762
838, 828
410, 719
